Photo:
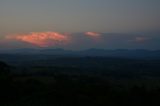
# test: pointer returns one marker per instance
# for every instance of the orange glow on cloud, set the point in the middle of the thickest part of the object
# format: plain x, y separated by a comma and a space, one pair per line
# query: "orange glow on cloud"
41, 39
93, 34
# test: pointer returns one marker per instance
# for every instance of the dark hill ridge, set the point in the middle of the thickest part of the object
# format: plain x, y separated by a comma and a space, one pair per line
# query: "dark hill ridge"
123, 53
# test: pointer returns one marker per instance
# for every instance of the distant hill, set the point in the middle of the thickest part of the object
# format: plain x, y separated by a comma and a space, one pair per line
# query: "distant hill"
122, 53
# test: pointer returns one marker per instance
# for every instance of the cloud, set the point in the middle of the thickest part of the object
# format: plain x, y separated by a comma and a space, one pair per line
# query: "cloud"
141, 39
82, 40
93, 34
41, 39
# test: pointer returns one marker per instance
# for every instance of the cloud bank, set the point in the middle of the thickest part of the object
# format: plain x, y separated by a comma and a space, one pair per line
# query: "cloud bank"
83, 40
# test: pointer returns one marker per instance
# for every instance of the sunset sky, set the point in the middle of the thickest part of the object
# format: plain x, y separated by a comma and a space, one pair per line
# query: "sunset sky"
80, 24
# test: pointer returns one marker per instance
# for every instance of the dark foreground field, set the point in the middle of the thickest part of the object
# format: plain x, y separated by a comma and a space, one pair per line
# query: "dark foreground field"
77, 81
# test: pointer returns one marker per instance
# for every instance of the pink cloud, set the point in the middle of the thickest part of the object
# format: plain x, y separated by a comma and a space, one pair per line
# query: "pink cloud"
93, 34
141, 39
41, 39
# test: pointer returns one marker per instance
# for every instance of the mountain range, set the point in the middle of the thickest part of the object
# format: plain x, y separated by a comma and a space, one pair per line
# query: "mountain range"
122, 53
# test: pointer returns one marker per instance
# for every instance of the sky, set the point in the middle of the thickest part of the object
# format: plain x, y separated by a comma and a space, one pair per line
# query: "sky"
108, 24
